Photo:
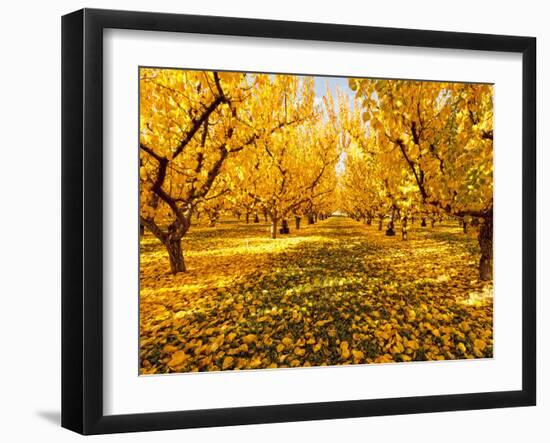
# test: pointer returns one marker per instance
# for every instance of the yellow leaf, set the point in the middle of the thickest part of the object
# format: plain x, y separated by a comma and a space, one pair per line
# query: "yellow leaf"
231, 336
250, 338
170, 348
227, 362
287, 341
299, 351
344, 350
178, 358
480, 344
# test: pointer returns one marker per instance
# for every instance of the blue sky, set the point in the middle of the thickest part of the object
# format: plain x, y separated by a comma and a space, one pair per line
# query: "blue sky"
322, 84
332, 84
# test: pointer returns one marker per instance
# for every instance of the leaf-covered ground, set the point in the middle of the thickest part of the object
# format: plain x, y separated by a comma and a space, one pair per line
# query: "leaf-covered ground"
338, 292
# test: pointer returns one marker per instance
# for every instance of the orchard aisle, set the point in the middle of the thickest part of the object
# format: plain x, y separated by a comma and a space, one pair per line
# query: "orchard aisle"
335, 292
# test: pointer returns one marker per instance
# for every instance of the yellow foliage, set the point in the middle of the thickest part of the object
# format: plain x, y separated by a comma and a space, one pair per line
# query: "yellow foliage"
227, 362
250, 338
178, 358
378, 301
230, 160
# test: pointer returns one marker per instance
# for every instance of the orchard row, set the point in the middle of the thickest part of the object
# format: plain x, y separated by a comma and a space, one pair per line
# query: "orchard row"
266, 145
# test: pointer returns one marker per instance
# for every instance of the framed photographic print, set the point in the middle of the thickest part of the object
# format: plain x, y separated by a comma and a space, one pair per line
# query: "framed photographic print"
269, 221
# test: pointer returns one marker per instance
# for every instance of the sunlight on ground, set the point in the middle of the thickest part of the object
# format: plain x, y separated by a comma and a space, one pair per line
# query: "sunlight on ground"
480, 298
255, 245
337, 292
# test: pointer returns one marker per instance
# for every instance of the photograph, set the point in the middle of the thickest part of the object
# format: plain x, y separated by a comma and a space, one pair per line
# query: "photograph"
291, 221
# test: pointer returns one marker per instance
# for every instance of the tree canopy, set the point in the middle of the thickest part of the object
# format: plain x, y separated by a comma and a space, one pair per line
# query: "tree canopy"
266, 145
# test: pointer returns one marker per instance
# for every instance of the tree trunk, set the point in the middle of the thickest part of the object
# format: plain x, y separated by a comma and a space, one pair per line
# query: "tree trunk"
380, 221
175, 254
404, 228
284, 227
297, 219
423, 224
247, 217
433, 222
265, 215
274, 228
390, 231
141, 229
485, 238
310, 220
464, 226
256, 219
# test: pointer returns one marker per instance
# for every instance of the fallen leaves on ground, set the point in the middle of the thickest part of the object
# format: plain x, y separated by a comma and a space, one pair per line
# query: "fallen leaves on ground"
335, 293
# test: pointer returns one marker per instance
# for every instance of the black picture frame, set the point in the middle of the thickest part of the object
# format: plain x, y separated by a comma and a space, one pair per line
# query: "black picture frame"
82, 220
